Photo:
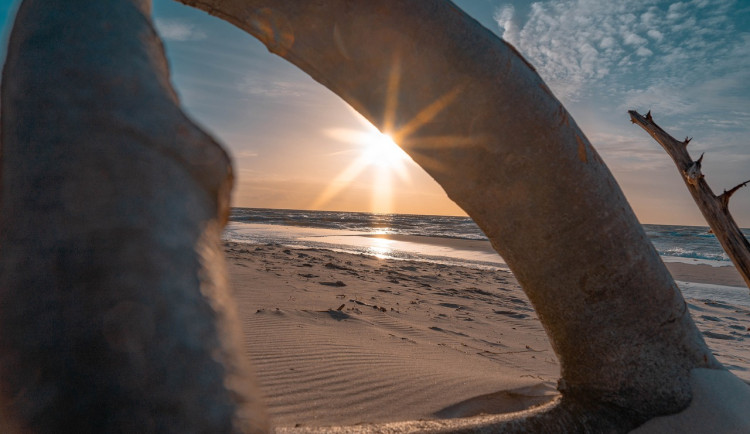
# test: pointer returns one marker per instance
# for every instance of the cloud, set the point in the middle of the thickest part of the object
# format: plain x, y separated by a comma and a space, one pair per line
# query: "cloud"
272, 88
643, 52
631, 38
577, 44
178, 30
245, 154
504, 17
677, 11
713, 84
655, 35
629, 153
571, 42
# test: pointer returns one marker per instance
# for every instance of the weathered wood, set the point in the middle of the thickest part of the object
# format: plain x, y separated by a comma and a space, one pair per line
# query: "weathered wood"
115, 314
714, 209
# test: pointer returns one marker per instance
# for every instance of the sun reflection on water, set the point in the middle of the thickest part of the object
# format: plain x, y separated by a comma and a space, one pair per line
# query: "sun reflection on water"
381, 248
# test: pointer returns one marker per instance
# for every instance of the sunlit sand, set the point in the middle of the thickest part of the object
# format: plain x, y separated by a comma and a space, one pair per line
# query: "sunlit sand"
343, 339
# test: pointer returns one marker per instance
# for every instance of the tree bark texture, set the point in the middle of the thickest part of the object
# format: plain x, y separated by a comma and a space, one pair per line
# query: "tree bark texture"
115, 314
715, 209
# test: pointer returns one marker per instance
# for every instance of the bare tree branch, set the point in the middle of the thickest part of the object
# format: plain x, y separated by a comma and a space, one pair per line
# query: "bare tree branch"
714, 209
724, 197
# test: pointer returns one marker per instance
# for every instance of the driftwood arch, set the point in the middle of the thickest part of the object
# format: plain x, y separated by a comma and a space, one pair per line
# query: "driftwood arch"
113, 202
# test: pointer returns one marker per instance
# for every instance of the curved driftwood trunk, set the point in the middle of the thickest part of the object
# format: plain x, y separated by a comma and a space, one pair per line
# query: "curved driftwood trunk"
477, 117
114, 309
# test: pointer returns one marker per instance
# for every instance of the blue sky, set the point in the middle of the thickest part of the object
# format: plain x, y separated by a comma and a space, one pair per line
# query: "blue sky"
686, 61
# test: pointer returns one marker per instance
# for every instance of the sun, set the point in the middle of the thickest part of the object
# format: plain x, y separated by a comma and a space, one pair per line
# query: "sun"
373, 150
380, 150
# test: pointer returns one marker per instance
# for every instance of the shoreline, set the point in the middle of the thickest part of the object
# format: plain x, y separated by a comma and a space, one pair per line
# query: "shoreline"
483, 246
725, 275
458, 249
338, 338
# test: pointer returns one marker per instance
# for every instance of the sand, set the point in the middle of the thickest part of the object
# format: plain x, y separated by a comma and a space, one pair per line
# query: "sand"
701, 273
342, 339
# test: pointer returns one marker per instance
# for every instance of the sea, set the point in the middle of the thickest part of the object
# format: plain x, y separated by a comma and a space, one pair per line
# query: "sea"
451, 240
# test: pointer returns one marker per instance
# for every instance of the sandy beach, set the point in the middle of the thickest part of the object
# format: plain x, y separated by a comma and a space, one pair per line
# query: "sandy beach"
338, 338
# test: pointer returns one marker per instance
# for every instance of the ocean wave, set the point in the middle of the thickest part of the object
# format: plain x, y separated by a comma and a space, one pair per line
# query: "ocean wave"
401, 224
680, 252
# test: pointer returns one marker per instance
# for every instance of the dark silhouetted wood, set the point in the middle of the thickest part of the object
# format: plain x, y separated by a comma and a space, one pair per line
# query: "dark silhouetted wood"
115, 315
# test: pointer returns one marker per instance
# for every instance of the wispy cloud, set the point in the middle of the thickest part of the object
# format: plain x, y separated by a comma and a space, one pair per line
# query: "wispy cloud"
629, 153
178, 30
687, 61
245, 154
580, 43
272, 88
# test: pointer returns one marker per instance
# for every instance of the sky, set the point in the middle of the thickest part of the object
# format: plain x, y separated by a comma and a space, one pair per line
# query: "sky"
297, 145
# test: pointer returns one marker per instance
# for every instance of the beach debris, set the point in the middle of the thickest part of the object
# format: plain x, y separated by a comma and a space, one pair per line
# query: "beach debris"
337, 283
337, 267
512, 314
341, 307
276, 311
362, 303
337, 314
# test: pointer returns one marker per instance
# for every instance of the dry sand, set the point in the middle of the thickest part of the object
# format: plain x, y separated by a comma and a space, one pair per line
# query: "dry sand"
337, 338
